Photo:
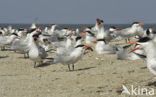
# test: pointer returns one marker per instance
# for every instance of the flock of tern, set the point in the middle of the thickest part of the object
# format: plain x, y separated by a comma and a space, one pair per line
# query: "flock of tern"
71, 45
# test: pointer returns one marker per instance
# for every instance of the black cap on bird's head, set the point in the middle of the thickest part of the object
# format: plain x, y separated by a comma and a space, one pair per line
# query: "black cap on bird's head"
21, 29
144, 39
139, 23
90, 27
89, 32
113, 28
14, 34
81, 45
31, 30
35, 35
99, 21
150, 31
78, 38
147, 32
135, 23
143, 42
85, 47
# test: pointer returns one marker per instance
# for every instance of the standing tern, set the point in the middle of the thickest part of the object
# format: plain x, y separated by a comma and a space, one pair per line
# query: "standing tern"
71, 56
132, 31
36, 52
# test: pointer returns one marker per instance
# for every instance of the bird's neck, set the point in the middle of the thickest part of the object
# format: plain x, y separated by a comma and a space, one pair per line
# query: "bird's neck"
101, 32
101, 29
68, 42
77, 52
12, 38
78, 43
96, 27
133, 28
33, 45
52, 28
150, 50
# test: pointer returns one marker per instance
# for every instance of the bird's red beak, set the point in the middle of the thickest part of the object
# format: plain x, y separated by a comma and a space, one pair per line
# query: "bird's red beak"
38, 27
83, 32
117, 29
152, 29
87, 46
69, 29
98, 21
132, 43
141, 24
134, 48
35, 39
94, 41
84, 28
39, 32
57, 25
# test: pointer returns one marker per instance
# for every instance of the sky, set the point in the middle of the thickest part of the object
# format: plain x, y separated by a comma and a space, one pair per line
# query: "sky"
77, 11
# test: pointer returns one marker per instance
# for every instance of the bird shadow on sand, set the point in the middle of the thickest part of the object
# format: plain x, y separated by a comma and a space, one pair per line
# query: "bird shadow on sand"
144, 67
1, 57
151, 84
47, 63
23, 57
84, 68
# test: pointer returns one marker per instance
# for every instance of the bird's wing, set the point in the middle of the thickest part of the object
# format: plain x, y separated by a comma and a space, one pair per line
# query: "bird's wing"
42, 53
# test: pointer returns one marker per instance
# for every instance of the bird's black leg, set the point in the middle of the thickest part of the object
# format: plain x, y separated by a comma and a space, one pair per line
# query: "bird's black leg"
27, 55
24, 56
128, 39
73, 66
69, 67
35, 65
3, 48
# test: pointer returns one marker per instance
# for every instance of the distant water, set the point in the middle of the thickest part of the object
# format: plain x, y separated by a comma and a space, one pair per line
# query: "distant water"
74, 26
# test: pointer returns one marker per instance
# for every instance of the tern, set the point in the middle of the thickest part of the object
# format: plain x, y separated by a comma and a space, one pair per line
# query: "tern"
71, 55
132, 31
36, 52
7, 40
150, 49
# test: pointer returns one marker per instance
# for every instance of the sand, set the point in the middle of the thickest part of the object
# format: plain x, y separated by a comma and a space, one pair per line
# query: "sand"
94, 76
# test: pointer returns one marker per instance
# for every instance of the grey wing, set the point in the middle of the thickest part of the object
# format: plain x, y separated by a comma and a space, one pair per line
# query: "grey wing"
65, 51
19, 45
42, 53
3, 40
58, 44
123, 54
123, 31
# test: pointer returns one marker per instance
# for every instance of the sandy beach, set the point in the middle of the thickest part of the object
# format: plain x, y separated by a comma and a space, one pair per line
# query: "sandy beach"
94, 76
